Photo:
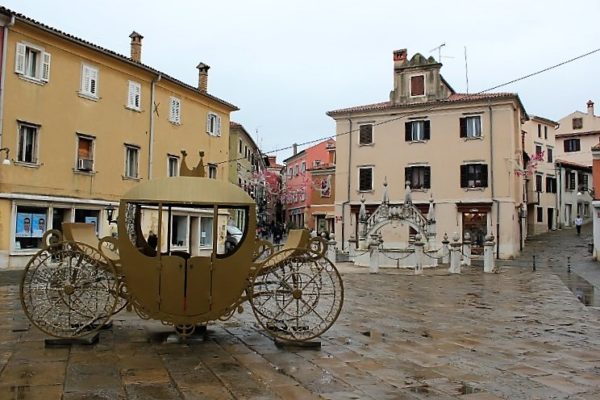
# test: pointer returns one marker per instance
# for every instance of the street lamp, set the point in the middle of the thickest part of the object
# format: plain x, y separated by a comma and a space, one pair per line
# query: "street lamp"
109, 214
6, 161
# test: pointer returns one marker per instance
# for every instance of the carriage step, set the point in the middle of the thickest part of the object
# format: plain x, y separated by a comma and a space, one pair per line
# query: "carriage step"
309, 344
81, 341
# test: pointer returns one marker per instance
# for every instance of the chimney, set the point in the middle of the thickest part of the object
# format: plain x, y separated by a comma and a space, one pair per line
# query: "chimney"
202, 77
400, 57
136, 46
590, 105
295, 147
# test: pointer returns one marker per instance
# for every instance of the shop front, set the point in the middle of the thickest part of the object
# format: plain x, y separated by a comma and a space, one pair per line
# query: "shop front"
475, 223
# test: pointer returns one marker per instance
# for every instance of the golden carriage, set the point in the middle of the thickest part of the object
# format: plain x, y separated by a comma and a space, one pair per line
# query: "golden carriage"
76, 283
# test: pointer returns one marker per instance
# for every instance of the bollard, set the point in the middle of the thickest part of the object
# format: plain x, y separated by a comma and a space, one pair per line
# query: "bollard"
455, 255
534, 262
569, 264
418, 255
445, 250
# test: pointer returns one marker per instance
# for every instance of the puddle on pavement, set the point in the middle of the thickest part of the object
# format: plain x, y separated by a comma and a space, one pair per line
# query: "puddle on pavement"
581, 288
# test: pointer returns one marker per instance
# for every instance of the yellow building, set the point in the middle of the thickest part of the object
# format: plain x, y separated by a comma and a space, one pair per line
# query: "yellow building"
83, 124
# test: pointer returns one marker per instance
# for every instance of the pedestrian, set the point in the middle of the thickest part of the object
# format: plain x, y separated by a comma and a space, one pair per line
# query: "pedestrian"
578, 223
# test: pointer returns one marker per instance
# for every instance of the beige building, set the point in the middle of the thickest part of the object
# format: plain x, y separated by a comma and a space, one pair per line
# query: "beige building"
463, 151
541, 175
577, 133
83, 124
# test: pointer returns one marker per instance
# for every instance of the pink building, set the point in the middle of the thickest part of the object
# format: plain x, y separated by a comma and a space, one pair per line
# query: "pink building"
299, 182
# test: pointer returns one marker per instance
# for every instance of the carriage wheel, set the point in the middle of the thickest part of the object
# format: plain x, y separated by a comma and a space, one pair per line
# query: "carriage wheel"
299, 298
69, 290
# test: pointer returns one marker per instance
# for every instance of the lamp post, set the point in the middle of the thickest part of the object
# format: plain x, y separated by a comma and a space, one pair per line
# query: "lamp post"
110, 210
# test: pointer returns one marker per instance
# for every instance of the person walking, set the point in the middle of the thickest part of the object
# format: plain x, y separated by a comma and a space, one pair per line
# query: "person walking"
578, 223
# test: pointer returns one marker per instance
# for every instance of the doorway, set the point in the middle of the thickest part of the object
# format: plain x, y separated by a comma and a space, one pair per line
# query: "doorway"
475, 223
550, 218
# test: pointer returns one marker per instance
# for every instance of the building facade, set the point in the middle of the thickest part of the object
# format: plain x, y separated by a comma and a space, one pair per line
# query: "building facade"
575, 195
541, 175
462, 151
576, 134
83, 125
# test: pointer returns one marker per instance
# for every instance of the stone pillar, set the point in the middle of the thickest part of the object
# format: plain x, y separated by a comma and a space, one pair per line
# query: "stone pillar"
352, 248
418, 255
374, 254
331, 249
467, 250
445, 249
455, 255
488, 254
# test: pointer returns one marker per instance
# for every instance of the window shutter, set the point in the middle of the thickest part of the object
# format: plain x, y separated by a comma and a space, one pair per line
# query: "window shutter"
85, 80
20, 58
46, 67
93, 81
407, 176
464, 176
427, 125
172, 110
463, 127
407, 133
131, 95
137, 98
484, 175
218, 126
427, 177
210, 116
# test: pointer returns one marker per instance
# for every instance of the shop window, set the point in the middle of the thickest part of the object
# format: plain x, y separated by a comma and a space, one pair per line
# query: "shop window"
206, 231
179, 230
88, 217
31, 223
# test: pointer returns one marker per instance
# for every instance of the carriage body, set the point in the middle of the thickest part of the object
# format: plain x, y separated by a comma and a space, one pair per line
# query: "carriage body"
296, 293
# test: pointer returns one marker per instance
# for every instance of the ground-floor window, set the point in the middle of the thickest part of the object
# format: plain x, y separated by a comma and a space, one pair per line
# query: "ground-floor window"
475, 223
540, 214
31, 223
179, 230
87, 216
206, 231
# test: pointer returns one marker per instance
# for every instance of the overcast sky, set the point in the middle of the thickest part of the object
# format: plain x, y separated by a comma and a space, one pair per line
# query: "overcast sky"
285, 63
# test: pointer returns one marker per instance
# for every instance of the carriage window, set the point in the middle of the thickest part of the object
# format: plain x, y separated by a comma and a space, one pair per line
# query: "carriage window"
178, 231
232, 223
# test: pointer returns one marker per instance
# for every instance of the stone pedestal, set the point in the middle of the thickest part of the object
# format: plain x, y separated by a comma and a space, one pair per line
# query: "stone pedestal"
445, 249
419, 255
467, 250
455, 255
374, 255
352, 249
331, 248
488, 254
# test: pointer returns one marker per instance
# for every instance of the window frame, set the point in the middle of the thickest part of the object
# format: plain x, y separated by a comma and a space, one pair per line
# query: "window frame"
170, 159
128, 148
550, 154
466, 176
465, 127
35, 160
362, 135
213, 124
92, 94
92, 140
175, 111
360, 170
212, 171
424, 175
410, 89
574, 145
134, 95
23, 54
409, 131
539, 214
577, 123
539, 178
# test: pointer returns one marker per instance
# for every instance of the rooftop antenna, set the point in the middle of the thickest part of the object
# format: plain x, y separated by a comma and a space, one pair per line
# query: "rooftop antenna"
466, 70
439, 50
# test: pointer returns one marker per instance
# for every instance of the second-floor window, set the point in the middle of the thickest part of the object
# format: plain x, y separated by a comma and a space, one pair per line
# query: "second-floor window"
417, 131
538, 182
240, 147
212, 171
538, 149
418, 177
173, 166
175, 110
550, 184
132, 161
549, 152
28, 143
89, 81
570, 180
470, 127
85, 153
365, 179
572, 145
473, 175
134, 95
32, 62
303, 167
366, 134
213, 124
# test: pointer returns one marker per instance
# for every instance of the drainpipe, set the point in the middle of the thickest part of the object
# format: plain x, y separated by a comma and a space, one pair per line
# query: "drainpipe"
559, 189
151, 138
492, 181
345, 203
3, 71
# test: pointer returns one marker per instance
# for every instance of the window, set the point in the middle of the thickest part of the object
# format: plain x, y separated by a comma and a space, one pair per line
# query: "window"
539, 130
540, 214
28, 143
545, 132
538, 149
538, 182
206, 230
550, 184
582, 181
417, 131
179, 230
366, 134
549, 151
290, 171
316, 163
212, 171
240, 147
32, 62
133, 95
419, 177
131, 161
296, 170
470, 127
473, 175
303, 167
213, 124
365, 179
572, 145
577, 123
175, 110
417, 85
89, 81
31, 223
570, 180
85, 153
173, 166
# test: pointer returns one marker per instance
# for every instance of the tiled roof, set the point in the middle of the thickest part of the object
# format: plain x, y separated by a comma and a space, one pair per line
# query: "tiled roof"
453, 98
576, 134
542, 119
572, 164
64, 35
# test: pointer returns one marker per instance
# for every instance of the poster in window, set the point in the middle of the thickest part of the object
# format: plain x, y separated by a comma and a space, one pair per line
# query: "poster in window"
92, 220
39, 225
326, 186
23, 225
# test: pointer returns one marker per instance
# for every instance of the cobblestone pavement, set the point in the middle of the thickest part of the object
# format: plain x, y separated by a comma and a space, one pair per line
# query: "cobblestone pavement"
518, 334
